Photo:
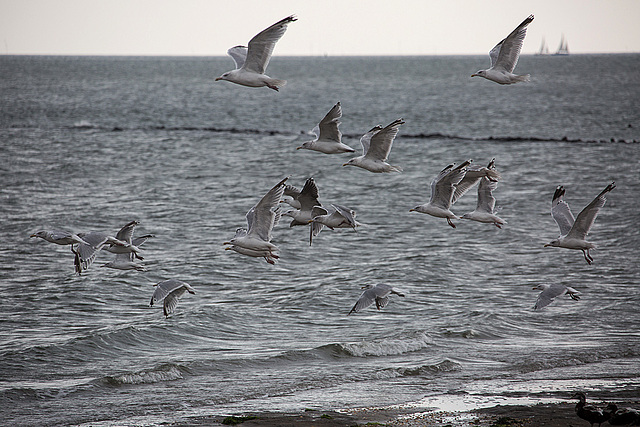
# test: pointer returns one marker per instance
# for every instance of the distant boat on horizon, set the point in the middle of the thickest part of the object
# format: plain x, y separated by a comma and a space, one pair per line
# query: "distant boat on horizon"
563, 49
544, 49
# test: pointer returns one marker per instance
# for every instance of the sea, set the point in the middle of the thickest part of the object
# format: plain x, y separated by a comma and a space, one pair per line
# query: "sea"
91, 143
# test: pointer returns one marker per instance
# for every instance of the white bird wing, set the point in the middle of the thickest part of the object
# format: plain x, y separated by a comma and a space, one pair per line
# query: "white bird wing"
261, 46
547, 296
442, 187
561, 212
126, 232
366, 139
171, 300
380, 143
587, 216
261, 217
85, 253
347, 214
291, 191
472, 177
486, 201
504, 56
238, 54
164, 288
308, 197
366, 299
327, 129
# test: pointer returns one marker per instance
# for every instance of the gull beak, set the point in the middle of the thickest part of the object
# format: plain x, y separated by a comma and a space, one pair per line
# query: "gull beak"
297, 148
345, 164
218, 78
33, 235
546, 245
412, 210
472, 75
228, 248
226, 243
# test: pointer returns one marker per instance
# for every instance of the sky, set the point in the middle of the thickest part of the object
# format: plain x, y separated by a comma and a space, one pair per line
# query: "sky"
324, 27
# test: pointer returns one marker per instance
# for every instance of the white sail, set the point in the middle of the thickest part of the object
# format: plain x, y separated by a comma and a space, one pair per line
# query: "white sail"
563, 49
544, 49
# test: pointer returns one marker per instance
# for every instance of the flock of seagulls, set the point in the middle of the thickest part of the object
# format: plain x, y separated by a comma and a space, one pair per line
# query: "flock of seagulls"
447, 187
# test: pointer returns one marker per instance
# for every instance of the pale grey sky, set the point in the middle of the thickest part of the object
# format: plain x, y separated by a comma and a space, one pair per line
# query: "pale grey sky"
332, 27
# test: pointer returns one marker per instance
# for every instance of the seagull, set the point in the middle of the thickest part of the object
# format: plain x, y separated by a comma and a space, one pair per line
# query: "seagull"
124, 260
85, 253
261, 219
59, 237
504, 57
442, 190
308, 199
252, 62
270, 257
170, 291
378, 293
376, 145
550, 292
589, 413
485, 209
574, 233
337, 217
328, 136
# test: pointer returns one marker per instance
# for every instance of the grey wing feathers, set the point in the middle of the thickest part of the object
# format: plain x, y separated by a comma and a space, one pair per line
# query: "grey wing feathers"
366, 138
486, 201
587, 216
308, 197
126, 232
238, 54
261, 217
328, 126
366, 299
508, 50
561, 212
347, 213
381, 142
261, 46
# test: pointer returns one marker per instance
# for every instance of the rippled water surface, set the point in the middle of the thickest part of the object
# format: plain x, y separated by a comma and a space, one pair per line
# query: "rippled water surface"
93, 143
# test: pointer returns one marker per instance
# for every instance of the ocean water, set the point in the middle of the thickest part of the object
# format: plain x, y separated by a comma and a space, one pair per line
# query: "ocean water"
91, 143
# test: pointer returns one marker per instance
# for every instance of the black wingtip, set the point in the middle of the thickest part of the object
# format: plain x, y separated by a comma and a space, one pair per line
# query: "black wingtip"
558, 193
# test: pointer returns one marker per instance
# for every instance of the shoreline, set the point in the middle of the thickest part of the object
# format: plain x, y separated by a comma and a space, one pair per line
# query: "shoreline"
541, 414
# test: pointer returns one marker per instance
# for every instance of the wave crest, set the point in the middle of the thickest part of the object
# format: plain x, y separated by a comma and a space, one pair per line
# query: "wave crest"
161, 373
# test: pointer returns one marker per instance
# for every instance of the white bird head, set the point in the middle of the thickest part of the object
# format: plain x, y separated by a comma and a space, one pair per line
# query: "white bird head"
554, 243
480, 73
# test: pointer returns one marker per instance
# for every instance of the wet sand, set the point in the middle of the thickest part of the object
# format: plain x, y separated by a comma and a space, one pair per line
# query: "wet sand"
544, 415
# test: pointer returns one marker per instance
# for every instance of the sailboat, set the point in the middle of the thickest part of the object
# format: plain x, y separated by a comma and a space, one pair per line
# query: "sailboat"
563, 49
544, 49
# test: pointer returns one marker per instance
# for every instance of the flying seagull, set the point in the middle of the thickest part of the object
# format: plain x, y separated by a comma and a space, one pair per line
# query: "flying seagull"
376, 145
328, 136
504, 57
261, 219
550, 292
335, 217
573, 234
485, 208
59, 237
126, 260
308, 199
378, 294
251, 62
170, 291
85, 253
442, 189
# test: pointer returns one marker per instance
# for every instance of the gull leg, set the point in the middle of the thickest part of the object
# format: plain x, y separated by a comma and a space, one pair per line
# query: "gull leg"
587, 257
497, 225
450, 223
273, 87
